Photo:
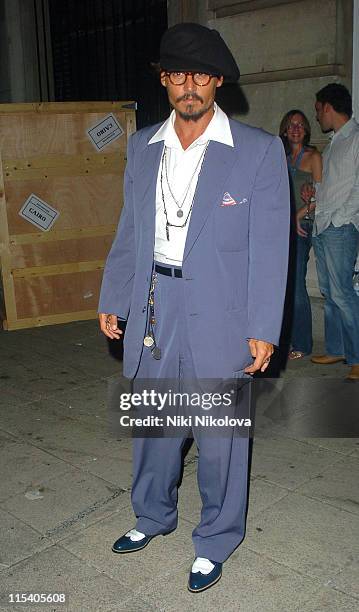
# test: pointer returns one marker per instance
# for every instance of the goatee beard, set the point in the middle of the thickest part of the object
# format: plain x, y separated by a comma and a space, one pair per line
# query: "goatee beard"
189, 115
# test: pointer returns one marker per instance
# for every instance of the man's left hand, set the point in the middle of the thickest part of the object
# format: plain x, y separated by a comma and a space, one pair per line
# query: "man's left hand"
262, 352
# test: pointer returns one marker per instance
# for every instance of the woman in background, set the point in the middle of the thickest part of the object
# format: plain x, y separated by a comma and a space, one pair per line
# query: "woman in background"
305, 167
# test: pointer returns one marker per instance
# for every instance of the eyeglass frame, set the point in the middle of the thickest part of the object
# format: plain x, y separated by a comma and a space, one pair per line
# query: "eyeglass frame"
187, 73
292, 126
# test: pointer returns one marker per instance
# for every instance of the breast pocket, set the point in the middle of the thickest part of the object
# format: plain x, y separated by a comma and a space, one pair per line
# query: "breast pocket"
232, 225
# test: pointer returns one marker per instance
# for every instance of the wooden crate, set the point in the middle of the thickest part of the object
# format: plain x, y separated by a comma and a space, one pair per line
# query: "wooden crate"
54, 276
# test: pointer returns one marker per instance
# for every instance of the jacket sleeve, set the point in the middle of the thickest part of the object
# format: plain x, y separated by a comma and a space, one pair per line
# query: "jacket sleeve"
268, 245
117, 281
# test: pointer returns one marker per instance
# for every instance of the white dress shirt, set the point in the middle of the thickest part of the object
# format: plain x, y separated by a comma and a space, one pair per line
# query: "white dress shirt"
183, 169
338, 193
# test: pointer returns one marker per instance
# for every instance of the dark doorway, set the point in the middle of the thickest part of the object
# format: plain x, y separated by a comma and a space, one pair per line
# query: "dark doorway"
102, 50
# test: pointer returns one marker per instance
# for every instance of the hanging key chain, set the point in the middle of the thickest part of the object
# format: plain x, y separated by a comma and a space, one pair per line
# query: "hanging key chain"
149, 340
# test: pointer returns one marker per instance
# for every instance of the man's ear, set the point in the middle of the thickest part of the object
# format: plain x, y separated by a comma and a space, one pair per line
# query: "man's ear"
219, 81
163, 78
327, 107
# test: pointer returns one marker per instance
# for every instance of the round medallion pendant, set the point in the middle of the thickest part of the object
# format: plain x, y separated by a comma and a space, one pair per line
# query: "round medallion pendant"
179, 213
148, 341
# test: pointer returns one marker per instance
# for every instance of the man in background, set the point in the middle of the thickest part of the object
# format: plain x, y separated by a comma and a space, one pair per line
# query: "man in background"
336, 228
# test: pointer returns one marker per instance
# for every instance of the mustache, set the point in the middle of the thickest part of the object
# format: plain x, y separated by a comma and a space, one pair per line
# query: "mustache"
193, 96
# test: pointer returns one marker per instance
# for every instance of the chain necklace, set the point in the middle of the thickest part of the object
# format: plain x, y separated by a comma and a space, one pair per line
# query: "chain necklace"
181, 203
168, 223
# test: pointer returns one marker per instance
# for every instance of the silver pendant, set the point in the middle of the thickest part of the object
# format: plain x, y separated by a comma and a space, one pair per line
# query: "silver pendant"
148, 341
179, 213
156, 352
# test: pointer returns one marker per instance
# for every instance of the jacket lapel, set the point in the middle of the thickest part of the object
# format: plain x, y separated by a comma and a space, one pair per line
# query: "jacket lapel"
217, 164
148, 166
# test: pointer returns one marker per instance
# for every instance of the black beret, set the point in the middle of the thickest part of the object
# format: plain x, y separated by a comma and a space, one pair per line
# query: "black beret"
191, 46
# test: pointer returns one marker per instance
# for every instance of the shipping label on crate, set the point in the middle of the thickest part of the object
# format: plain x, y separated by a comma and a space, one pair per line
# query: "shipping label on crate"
105, 132
39, 213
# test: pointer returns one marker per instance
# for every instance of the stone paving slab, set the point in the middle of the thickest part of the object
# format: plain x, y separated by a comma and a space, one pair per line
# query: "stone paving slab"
250, 583
87, 404
329, 600
337, 485
23, 464
287, 462
114, 469
347, 580
64, 437
262, 495
12, 397
139, 606
82, 361
18, 540
355, 453
57, 570
312, 538
38, 379
160, 557
346, 446
13, 385
67, 503
305, 406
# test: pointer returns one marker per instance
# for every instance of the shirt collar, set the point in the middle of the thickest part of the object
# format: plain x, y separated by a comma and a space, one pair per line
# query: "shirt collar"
346, 129
218, 129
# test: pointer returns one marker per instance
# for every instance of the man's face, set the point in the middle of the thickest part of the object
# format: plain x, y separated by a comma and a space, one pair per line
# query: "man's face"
323, 116
189, 100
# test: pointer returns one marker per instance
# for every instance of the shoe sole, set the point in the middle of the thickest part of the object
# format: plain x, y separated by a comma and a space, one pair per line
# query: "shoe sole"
206, 587
328, 362
124, 552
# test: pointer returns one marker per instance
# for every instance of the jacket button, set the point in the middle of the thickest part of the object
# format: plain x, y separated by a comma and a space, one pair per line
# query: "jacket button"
144, 309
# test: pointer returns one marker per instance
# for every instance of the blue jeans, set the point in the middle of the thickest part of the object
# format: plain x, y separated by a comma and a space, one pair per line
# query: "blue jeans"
301, 333
336, 250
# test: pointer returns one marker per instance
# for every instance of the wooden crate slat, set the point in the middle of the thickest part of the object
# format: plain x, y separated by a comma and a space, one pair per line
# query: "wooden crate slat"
32, 135
56, 161
65, 107
55, 252
68, 234
79, 169
81, 315
54, 270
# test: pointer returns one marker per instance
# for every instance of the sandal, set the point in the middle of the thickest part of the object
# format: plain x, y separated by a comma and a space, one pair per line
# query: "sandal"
295, 355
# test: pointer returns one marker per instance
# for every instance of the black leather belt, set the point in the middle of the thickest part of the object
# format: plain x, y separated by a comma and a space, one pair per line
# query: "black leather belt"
176, 272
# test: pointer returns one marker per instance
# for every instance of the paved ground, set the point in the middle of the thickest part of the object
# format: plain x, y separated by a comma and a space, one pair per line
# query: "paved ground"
65, 495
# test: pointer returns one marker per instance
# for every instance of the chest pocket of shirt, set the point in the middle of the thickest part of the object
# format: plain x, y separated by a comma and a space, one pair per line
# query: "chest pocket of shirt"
231, 225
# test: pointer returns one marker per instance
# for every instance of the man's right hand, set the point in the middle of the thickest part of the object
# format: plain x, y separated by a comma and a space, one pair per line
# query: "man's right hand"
108, 325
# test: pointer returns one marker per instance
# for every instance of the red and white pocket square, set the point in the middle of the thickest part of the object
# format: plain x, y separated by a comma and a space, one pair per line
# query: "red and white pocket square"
227, 200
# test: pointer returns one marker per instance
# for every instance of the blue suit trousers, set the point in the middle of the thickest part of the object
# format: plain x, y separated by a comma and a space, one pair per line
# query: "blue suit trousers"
223, 460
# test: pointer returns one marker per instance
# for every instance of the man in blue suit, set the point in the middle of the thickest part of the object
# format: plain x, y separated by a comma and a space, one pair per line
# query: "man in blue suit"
198, 269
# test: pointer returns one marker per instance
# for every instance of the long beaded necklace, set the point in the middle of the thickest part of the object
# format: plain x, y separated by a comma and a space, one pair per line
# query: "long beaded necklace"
179, 205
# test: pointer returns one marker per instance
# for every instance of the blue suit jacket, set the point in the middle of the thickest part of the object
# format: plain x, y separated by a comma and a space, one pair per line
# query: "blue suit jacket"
235, 258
